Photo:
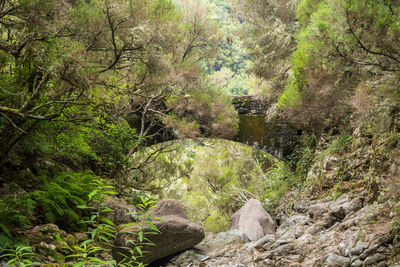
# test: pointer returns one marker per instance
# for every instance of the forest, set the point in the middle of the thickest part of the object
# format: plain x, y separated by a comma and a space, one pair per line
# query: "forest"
108, 101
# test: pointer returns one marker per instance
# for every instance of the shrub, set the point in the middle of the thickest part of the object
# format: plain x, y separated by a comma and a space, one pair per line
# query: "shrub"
206, 111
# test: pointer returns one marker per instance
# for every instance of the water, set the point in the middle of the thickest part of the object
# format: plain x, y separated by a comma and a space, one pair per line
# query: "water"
252, 131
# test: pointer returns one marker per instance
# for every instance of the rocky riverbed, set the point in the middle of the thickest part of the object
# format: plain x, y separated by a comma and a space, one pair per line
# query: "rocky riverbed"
341, 232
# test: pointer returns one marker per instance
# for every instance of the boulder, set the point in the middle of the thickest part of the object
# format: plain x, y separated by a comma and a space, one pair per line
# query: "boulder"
11, 189
44, 233
169, 207
178, 233
334, 260
121, 212
253, 220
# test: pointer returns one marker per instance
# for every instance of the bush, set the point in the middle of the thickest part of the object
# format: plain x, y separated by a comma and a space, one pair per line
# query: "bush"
207, 112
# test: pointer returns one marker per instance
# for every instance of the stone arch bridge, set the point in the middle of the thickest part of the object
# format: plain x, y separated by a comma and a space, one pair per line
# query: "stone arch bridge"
257, 127
261, 126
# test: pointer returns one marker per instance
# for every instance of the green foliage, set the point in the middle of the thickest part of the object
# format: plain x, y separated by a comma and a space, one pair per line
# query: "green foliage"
135, 197
86, 254
104, 143
216, 223
228, 70
338, 44
305, 9
396, 228
20, 256
70, 90
341, 144
103, 229
144, 228
15, 212
267, 29
206, 111
278, 180
59, 197
290, 97
111, 142
211, 185
392, 141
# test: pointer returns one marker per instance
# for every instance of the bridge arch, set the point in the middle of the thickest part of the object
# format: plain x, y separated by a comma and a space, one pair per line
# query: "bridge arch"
275, 136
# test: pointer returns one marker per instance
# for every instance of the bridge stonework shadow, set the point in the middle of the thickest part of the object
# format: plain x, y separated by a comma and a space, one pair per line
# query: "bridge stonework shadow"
270, 133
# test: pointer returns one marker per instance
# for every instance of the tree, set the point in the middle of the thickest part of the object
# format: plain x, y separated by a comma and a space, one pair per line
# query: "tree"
93, 63
340, 44
269, 36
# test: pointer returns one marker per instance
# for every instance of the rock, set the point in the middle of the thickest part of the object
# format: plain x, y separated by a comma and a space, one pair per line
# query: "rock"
264, 255
44, 246
266, 240
371, 260
80, 237
318, 210
369, 252
315, 228
185, 259
334, 260
353, 240
280, 242
358, 249
70, 240
284, 250
281, 135
169, 207
381, 264
11, 189
121, 213
357, 263
354, 205
296, 220
334, 216
300, 206
253, 220
231, 237
342, 247
177, 234
330, 163
44, 233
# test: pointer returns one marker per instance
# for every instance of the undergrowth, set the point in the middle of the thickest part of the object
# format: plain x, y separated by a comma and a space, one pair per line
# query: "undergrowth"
55, 201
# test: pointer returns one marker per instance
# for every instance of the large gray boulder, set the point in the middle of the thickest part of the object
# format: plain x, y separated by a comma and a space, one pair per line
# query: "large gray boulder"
253, 220
120, 212
178, 233
169, 207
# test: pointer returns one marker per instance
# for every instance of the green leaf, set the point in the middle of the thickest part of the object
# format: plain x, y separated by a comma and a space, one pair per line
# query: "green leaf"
108, 221
139, 250
140, 236
93, 193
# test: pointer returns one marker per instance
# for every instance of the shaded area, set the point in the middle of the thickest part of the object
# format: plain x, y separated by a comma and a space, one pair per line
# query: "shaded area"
252, 131
277, 137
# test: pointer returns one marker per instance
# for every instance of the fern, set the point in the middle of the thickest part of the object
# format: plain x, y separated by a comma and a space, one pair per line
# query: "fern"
60, 196
5, 242
14, 212
5, 230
